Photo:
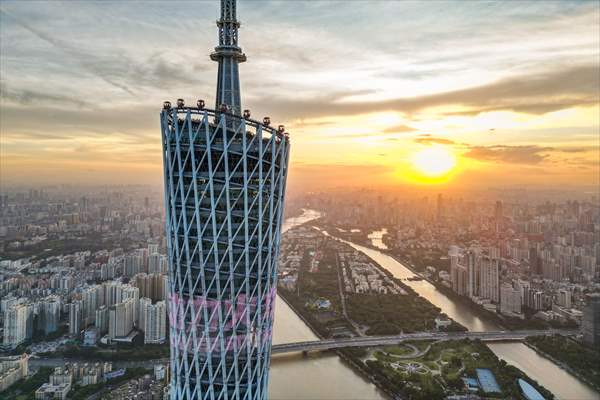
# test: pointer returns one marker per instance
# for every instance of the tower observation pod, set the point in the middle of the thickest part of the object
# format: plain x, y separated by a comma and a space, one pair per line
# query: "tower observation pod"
225, 177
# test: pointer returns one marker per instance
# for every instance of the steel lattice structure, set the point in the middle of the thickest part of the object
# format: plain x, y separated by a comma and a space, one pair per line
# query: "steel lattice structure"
225, 178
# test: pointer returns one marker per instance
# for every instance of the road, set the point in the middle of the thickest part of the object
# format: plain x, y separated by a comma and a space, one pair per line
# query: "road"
371, 341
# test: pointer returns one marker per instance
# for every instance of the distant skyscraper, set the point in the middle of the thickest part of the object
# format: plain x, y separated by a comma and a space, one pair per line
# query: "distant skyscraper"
591, 320
225, 176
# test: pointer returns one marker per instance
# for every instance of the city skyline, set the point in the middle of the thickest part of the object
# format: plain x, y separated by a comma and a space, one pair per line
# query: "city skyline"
398, 199
511, 106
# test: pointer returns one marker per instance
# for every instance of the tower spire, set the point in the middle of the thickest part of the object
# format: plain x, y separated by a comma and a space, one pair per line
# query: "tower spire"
228, 54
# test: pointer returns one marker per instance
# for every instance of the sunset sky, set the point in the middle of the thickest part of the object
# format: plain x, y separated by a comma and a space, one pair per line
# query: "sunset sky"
503, 92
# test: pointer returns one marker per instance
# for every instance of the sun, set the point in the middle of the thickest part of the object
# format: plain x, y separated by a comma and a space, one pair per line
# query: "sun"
433, 161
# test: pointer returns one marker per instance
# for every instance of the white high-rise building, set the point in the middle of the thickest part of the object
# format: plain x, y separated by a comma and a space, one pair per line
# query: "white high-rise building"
133, 293
92, 300
120, 318
15, 325
155, 322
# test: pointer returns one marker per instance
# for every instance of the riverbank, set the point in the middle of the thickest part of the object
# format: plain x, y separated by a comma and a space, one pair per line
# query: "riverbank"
562, 384
356, 359
501, 322
563, 346
351, 361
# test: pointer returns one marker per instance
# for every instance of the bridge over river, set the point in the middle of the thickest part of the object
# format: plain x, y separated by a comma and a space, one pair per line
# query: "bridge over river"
371, 341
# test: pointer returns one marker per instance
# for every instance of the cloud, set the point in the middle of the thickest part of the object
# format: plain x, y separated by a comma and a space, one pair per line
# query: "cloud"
433, 140
102, 121
116, 68
86, 60
28, 97
509, 154
399, 129
536, 93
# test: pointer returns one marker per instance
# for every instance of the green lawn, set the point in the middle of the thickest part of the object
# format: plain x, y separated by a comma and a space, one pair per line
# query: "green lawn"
449, 362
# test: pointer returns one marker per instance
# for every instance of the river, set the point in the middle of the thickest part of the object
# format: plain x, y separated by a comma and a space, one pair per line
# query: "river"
323, 376
320, 376
562, 384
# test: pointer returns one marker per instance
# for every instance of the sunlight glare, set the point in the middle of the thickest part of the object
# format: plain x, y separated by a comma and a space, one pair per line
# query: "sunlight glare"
434, 161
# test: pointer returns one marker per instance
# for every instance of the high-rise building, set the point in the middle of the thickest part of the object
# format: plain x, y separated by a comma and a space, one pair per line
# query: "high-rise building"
154, 318
121, 318
591, 320
75, 317
473, 274
144, 302
15, 325
154, 263
510, 299
490, 279
102, 320
133, 265
458, 272
91, 301
107, 271
225, 176
564, 298
49, 314
12, 370
133, 293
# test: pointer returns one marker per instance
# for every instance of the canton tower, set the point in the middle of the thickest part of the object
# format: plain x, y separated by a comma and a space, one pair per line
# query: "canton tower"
224, 177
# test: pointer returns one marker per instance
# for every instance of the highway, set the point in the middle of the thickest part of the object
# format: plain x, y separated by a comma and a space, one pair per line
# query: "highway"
372, 341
